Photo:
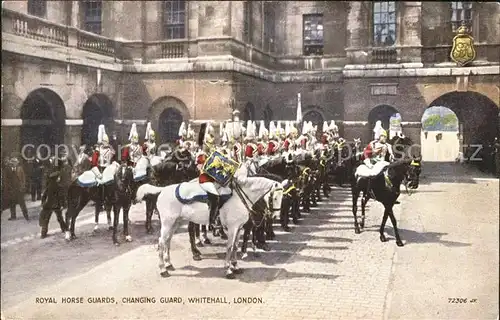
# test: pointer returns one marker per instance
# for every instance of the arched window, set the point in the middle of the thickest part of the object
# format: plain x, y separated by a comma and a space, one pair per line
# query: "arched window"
461, 13
92, 16
169, 124
174, 19
384, 23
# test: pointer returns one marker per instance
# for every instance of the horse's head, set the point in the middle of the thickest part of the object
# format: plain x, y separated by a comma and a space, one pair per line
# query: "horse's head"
274, 198
124, 179
241, 174
413, 173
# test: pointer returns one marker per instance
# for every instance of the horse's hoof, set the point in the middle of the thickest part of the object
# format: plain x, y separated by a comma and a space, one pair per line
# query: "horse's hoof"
96, 227
383, 239
207, 241
244, 255
287, 229
265, 247
197, 257
230, 276
110, 228
237, 271
67, 235
357, 231
399, 243
128, 238
149, 231
223, 236
170, 268
199, 244
164, 274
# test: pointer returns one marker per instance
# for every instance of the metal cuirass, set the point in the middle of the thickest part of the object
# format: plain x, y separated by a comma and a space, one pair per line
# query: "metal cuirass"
381, 155
150, 148
105, 155
135, 152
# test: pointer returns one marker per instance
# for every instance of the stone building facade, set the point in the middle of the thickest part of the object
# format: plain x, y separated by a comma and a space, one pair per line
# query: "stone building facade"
168, 61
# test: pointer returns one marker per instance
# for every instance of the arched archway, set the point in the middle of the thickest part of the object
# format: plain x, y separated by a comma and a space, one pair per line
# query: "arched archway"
170, 121
268, 115
97, 110
43, 120
248, 112
478, 118
315, 117
381, 113
166, 128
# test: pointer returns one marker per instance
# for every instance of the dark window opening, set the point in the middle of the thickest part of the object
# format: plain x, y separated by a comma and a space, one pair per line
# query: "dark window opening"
313, 34
384, 23
92, 19
37, 8
174, 19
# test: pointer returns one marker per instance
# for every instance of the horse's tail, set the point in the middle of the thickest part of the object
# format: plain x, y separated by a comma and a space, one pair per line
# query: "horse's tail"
147, 189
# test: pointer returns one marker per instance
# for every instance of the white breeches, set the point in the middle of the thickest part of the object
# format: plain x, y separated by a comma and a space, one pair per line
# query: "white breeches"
209, 187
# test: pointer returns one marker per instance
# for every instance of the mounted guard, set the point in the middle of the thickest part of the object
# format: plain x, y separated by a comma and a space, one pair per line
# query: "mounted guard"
103, 161
132, 155
273, 144
291, 133
216, 171
149, 147
182, 135
374, 158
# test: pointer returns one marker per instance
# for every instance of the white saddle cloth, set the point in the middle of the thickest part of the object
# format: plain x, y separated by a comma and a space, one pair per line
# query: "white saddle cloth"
141, 169
156, 160
191, 191
93, 177
364, 171
262, 161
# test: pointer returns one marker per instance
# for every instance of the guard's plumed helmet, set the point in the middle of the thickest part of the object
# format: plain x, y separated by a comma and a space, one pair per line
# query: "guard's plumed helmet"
182, 130
102, 137
133, 136
150, 134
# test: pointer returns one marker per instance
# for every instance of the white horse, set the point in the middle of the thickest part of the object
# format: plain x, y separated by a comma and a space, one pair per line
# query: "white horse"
184, 202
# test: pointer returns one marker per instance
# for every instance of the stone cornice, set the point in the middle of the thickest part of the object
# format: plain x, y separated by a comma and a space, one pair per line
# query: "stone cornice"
227, 63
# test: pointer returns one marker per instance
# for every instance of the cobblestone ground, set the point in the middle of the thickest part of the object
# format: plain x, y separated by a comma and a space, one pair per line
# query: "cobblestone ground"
321, 270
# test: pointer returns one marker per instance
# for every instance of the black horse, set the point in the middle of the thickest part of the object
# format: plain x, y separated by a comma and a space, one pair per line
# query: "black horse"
79, 196
174, 169
291, 203
386, 188
122, 197
401, 147
262, 221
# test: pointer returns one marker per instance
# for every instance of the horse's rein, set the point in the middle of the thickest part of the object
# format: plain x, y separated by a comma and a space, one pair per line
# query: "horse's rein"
246, 200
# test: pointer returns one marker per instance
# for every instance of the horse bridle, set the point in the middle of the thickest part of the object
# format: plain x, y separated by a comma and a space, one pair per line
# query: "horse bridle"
268, 210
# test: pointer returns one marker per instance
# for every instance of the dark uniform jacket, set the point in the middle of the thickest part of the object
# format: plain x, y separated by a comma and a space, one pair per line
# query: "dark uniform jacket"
53, 197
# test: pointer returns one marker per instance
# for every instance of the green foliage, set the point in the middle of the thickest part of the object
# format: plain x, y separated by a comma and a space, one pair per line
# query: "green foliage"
435, 122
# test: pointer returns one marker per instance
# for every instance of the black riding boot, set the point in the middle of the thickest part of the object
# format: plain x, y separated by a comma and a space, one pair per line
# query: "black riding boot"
214, 208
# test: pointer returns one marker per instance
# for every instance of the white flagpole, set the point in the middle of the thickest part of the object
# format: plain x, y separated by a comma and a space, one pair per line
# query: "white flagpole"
299, 109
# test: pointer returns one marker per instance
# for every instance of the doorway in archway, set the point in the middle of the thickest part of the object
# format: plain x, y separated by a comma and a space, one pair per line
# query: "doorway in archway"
315, 117
382, 113
248, 112
96, 111
440, 137
169, 123
43, 121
